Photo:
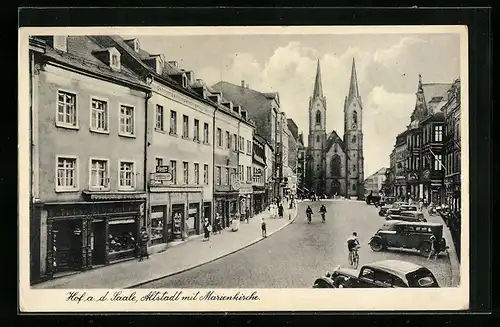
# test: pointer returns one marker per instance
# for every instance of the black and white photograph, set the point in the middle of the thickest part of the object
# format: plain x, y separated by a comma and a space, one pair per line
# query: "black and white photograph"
179, 168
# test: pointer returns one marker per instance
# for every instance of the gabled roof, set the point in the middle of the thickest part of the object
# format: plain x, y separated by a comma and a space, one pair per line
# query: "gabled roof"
80, 54
333, 138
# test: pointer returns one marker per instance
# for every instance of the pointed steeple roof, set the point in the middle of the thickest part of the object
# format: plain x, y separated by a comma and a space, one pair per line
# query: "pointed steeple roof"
318, 86
353, 86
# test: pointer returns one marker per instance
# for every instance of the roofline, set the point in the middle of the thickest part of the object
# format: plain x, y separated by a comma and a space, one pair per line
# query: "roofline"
81, 70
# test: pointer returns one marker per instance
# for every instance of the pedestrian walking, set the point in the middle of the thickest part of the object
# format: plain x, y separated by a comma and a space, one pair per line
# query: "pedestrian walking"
263, 228
433, 251
143, 244
206, 229
280, 210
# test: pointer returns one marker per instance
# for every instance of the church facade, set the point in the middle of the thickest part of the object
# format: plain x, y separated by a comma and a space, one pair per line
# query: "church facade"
334, 164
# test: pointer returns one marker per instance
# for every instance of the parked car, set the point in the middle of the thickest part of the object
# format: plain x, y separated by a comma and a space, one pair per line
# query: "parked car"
373, 198
407, 216
385, 201
380, 274
390, 208
408, 235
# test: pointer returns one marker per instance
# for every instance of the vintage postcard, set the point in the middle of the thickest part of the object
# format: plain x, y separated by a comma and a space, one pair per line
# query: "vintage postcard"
243, 169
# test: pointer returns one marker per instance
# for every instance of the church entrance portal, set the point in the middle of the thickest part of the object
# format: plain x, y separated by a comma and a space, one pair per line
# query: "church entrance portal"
335, 187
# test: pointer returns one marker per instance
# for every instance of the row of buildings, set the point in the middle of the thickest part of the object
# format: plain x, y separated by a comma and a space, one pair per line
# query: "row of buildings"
122, 139
425, 161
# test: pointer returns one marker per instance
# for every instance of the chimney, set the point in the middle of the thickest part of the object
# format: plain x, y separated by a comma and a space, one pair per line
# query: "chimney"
243, 84
174, 63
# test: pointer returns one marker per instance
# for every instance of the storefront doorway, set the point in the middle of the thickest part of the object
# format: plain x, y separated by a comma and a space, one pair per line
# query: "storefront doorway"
177, 221
98, 242
67, 245
193, 219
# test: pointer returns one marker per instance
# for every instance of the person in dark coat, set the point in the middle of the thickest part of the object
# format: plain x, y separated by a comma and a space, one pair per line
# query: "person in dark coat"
206, 229
280, 210
143, 244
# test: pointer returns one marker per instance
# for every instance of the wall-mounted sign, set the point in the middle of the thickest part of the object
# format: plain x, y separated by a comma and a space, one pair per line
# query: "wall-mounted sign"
426, 174
162, 169
163, 176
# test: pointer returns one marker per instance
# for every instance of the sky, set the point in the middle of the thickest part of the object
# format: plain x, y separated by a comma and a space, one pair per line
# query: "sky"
387, 67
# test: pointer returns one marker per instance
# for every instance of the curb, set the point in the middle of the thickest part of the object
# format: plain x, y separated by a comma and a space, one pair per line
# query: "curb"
454, 266
214, 259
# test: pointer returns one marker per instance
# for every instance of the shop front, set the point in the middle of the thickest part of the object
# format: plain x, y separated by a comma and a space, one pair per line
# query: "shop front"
226, 205
84, 235
245, 201
175, 214
259, 193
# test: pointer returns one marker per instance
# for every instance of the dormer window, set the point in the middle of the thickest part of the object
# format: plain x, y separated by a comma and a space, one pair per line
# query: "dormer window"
184, 81
114, 59
159, 64
137, 46
60, 42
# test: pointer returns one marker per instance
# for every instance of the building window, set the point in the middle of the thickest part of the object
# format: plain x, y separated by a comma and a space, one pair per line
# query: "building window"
354, 139
127, 175
249, 174
99, 115
205, 174
197, 173
353, 168
318, 117
355, 117
196, 130
185, 167
66, 174
354, 187
66, 109
126, 120
235, 142
99, 174
249, 147
173, 171
227, 140
205, 133
317, 138
226, 176
241, 172
115, 63
438, 162
219, 137
438, 133
159, 162
242, 144
159, 118
173, 122
185, 126
217, 175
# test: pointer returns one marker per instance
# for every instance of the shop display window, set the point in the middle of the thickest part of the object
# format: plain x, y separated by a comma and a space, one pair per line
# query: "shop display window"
177, 215
122, 236
193, 219
157, 225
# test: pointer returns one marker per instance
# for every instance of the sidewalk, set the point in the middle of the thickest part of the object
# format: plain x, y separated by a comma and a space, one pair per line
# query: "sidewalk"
452, 254
174, 260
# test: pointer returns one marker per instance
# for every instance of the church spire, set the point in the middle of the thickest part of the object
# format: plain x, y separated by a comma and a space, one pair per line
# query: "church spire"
318, 86
353, 86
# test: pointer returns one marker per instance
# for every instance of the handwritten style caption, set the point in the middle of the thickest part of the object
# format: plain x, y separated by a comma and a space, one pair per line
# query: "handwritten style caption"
157, 296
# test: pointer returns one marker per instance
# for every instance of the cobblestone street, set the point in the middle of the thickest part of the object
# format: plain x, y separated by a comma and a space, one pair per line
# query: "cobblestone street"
298, 254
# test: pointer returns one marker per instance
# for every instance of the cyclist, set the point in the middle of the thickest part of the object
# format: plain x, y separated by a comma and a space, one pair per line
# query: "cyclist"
352, 245
309, 212
323, 211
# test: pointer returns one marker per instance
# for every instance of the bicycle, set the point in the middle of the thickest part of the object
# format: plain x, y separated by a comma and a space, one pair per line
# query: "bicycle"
323, 218
354, 258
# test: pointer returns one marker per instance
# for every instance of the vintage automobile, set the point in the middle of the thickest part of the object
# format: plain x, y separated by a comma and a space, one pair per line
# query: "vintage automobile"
394, 208
380, 274
408, 235
385, 201
373, 198
407, 216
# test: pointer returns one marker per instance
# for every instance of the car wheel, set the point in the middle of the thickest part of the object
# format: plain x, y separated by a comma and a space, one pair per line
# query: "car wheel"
342, 282
425, 248
376, 244
380, 214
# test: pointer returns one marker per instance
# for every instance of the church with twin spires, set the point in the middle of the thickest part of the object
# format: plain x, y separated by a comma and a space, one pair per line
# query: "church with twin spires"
334, 164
